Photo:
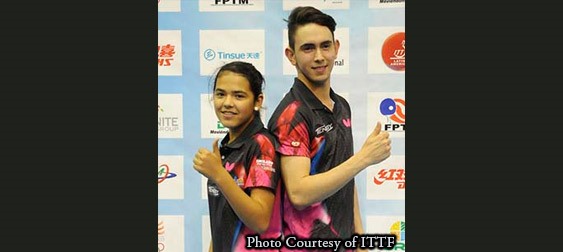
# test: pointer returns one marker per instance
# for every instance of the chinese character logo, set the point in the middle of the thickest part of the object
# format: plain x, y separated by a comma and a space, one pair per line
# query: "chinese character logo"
166, 54
397, 175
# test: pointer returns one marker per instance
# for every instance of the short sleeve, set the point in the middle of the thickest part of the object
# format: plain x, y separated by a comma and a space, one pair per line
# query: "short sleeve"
292, 132
264, 165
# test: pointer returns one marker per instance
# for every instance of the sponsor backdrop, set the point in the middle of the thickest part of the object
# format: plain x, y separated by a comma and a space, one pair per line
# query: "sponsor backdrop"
197, 36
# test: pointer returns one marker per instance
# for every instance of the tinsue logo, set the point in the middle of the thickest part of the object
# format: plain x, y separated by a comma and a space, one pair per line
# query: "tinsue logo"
210, 54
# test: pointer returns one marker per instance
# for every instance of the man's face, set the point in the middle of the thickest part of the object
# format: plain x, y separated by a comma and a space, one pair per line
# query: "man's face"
314, 53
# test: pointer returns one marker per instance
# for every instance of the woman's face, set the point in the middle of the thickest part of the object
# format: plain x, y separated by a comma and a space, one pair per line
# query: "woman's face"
234, 101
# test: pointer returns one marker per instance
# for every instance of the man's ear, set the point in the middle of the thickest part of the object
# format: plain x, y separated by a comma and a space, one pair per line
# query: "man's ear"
290, 55
336, 46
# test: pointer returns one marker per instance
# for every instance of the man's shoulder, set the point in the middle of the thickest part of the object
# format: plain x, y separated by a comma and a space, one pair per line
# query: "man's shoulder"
287, 109
342, 100
265, 140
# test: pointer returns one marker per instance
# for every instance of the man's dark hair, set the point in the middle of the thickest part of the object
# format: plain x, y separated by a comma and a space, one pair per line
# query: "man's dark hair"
303, 15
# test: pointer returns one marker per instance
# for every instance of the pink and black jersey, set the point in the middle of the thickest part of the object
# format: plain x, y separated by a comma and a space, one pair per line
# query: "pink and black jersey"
305, 127
252, 162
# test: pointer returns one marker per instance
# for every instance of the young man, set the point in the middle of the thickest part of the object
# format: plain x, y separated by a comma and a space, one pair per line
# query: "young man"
313, 126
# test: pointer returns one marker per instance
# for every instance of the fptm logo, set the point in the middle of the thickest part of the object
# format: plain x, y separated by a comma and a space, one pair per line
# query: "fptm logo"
164, 173
394, 110
232, 2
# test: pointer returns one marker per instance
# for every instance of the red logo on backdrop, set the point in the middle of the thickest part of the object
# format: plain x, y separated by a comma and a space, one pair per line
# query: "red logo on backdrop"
393, 51
399, 115
166, 54
397, 175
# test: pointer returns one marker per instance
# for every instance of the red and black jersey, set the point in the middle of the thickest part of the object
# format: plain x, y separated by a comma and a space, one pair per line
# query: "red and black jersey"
252, 162
303, 126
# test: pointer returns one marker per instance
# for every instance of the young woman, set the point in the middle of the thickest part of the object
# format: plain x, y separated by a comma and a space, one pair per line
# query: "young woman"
243, 172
